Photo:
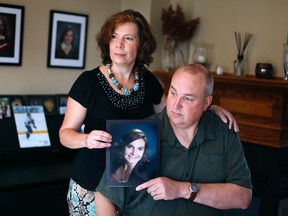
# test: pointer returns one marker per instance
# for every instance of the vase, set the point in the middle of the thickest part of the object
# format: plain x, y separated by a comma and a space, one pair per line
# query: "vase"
285, 61
172, 55
239, 66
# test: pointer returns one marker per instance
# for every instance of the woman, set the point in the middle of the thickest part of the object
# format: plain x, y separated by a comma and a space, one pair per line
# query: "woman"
131, 159
121, 88
66, 48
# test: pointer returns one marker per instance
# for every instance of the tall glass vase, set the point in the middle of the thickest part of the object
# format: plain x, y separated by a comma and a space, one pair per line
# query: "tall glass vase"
285, 61
172, 55
239, 66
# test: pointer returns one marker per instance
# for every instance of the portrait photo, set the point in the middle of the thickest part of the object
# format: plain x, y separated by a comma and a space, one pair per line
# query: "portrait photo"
133, 156
67, 40
5, 107
11, 34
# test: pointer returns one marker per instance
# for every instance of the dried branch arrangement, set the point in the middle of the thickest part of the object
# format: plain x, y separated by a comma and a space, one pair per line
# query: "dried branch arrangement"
175, 27
241, 48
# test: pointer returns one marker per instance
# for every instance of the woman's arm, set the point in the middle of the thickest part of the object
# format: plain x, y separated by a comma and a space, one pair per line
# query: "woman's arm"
69, 132
104, 207
226, 116
159, 107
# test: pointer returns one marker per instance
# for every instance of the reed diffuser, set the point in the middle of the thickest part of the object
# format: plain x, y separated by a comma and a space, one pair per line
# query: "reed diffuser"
238, 63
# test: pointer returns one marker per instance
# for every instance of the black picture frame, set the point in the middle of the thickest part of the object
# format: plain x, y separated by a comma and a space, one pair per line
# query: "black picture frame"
147, 167
72, 25
12, 18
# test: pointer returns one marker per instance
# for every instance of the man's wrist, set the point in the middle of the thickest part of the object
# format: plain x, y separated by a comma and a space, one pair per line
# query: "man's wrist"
194, 189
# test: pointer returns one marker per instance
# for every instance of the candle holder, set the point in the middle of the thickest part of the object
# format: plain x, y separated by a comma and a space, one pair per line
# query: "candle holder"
203, 54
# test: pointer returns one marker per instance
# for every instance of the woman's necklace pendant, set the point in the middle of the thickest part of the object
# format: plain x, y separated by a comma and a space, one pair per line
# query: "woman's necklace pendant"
119, 86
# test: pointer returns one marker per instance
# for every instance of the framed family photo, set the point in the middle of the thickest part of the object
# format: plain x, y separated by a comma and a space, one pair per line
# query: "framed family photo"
11, 34
67, 40
133, 156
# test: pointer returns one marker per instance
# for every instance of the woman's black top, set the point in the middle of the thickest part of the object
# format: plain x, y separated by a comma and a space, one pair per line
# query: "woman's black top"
92, 91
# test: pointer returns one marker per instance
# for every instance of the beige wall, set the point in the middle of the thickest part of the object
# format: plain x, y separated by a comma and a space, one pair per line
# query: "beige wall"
33, 77
266, 19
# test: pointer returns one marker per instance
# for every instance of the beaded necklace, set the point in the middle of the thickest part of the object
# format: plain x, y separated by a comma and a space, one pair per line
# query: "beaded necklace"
119, 86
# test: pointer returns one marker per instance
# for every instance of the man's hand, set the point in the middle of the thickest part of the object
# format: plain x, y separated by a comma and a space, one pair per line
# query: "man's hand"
164, 188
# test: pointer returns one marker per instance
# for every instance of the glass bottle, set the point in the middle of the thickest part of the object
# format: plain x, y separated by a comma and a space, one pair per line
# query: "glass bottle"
239, 66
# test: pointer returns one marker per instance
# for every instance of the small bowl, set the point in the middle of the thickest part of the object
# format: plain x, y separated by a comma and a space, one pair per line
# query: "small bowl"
264, 70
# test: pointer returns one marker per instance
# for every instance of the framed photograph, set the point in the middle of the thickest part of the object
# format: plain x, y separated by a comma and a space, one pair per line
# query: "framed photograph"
5, 107
47, 101
11, 34
31, 126
62, 103
67, 40
9, 138
133, 157
6, 103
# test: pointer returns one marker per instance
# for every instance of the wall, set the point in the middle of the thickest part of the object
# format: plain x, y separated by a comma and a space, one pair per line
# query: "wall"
33, 77
267, 20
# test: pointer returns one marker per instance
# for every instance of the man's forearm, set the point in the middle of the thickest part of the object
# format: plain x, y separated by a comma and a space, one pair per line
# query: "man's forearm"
224, 196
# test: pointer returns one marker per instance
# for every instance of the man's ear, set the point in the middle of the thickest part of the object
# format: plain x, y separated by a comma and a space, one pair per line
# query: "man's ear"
208, 101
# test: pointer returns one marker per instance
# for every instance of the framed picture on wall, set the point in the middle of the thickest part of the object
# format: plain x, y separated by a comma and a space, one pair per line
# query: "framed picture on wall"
67, 40
133, 156
11, 34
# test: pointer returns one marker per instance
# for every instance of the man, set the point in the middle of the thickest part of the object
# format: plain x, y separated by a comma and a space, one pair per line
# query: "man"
203, 170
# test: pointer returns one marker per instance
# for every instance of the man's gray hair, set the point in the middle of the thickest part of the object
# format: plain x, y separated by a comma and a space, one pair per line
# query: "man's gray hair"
197, 68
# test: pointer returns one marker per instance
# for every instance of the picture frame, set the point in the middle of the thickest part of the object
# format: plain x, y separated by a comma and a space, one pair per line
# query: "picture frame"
135, 144
31, 126
11, 38
6, 103
5, 107
9, 138
47, 101
67, 40
62, 103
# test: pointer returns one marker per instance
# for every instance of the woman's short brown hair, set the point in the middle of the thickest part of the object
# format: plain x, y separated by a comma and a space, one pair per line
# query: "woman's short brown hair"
147, 41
